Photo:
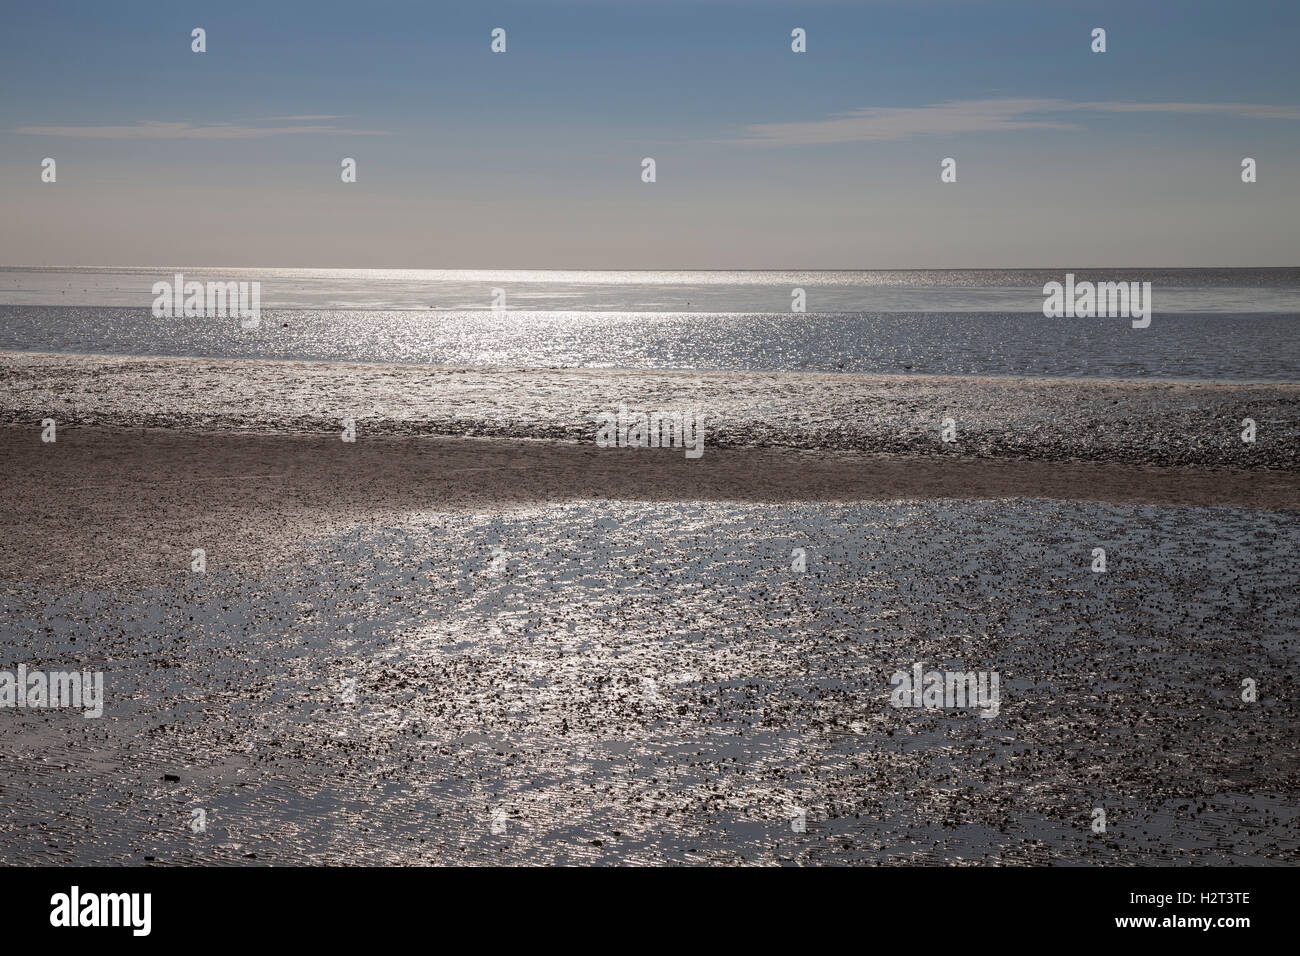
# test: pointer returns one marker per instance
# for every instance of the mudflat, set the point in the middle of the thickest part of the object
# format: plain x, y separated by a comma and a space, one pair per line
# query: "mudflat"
471, 635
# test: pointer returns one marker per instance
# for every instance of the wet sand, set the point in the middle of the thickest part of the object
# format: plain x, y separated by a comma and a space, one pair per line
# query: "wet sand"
118, 506
656, 682
429, 647
1147, 423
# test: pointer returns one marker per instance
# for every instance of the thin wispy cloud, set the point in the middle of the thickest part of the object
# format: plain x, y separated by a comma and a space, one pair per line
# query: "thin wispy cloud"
154, 129
975, 116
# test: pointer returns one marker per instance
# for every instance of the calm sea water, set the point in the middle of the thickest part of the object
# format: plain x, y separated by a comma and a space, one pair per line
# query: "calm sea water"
1237, 324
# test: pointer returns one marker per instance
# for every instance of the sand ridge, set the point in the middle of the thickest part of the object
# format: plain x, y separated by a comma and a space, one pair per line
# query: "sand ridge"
1159, 423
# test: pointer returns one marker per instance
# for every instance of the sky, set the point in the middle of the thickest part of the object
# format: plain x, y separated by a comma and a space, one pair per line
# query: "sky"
764, 158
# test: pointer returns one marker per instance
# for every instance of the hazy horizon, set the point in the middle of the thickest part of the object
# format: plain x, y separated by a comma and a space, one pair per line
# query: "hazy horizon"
1020, 267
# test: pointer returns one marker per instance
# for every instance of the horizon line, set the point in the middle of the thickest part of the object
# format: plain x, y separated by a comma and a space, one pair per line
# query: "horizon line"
650, 269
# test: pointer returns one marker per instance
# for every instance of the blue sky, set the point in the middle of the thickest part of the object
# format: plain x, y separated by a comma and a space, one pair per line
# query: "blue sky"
765, 158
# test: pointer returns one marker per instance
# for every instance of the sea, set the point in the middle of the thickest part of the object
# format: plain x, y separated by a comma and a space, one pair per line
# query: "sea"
1206, 324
